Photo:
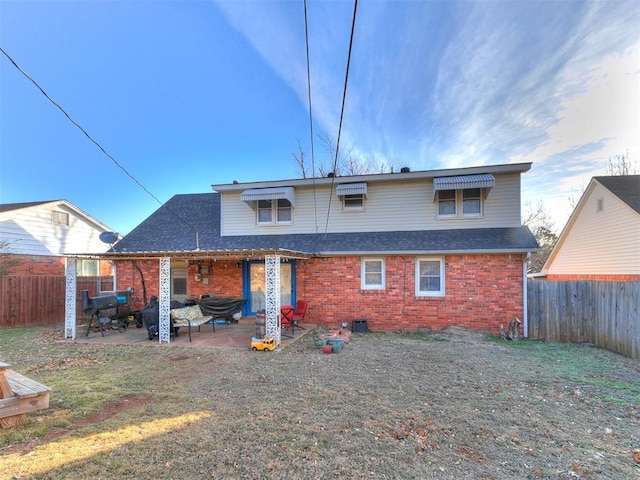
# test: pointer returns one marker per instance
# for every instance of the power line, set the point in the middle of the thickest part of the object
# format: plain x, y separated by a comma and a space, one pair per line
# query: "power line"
313, 157
78, 125
344, 96
110, 157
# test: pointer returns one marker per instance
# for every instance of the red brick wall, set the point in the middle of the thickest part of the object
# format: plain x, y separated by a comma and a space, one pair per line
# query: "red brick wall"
38, 265
225, 279
127, 275
482, 291
600, 278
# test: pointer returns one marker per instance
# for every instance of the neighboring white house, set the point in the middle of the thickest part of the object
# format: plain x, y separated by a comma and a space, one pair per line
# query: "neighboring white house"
41, 233
601, 240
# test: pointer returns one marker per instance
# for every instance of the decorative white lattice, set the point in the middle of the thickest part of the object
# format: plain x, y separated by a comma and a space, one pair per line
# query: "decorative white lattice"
70, 299
164, 300
272, 284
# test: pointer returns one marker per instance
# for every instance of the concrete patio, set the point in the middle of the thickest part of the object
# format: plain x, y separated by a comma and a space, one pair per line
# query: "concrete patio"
236, 336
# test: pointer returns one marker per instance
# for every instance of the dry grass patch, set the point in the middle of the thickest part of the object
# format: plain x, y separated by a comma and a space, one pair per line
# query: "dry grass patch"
455, 404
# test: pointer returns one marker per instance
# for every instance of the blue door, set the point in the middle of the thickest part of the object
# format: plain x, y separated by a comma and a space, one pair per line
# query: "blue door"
253, 284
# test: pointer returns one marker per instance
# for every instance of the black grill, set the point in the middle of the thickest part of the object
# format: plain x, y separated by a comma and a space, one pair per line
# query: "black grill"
107, 308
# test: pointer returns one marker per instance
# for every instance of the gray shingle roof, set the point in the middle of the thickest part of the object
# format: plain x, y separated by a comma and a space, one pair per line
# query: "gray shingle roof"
6, 207
625, 187
172, 228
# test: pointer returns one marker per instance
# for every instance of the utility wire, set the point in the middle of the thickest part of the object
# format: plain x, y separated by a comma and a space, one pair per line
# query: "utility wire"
313, 157
78, 125
344, 96
92, 140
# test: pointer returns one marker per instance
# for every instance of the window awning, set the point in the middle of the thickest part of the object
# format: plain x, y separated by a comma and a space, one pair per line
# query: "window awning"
463, 182
275, 193
351, 189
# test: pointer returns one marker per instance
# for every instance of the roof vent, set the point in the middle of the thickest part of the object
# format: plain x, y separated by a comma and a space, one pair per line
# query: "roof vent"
235, 182
330, 175
405, 170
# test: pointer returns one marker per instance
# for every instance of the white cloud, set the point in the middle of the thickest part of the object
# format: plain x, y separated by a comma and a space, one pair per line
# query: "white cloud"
439, 84
602, 121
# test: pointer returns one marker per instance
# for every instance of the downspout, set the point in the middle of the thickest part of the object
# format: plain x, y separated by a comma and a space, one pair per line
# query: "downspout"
525, 316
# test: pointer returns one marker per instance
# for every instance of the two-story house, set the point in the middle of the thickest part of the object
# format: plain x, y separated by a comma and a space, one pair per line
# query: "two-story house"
38, 235
405, 251
34, 239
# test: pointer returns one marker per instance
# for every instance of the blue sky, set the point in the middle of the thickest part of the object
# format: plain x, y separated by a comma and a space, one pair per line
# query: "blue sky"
185, 94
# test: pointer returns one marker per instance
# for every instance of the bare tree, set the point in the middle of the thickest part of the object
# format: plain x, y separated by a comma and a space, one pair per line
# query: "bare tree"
387, 166
354, 165
329, 147
622, 165
299, 159
574, 198
347, 161
539, 222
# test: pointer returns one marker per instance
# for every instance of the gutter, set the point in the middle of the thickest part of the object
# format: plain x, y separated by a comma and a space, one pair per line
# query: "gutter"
361, 253
525, 316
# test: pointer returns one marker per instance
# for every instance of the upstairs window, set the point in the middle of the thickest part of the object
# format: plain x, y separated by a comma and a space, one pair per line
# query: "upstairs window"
353, 202
462, 196
353, 195
471, 201
284, 211
447, 203
460, 203
271, 212
273, 206
59, 218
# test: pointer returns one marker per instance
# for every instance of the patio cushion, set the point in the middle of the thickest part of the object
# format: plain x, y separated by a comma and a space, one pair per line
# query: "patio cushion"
189, 315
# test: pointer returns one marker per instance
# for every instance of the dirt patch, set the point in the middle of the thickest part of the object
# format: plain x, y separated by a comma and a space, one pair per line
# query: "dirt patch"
458, 334
108, 411
179, 358
111, 409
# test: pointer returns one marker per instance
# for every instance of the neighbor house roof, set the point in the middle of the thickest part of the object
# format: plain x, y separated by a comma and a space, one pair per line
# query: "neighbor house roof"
7, 207
188, 223
625, 187
10, 207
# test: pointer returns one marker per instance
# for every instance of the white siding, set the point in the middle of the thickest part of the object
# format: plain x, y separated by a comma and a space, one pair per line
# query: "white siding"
389, 206
30, 231
603, 242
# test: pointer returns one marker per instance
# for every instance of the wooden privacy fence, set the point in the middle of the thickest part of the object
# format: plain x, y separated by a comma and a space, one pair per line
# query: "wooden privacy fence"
603, 313
39, 300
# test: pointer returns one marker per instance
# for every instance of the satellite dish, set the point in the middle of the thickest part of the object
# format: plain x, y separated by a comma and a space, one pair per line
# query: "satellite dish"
108, 237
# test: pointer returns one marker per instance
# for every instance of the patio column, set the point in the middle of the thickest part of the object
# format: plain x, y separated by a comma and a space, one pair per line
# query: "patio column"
70, 299
272, 307
164, 301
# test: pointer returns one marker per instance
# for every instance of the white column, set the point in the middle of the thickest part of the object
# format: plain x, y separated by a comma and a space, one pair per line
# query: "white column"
272, 308
70, 299
164, 300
